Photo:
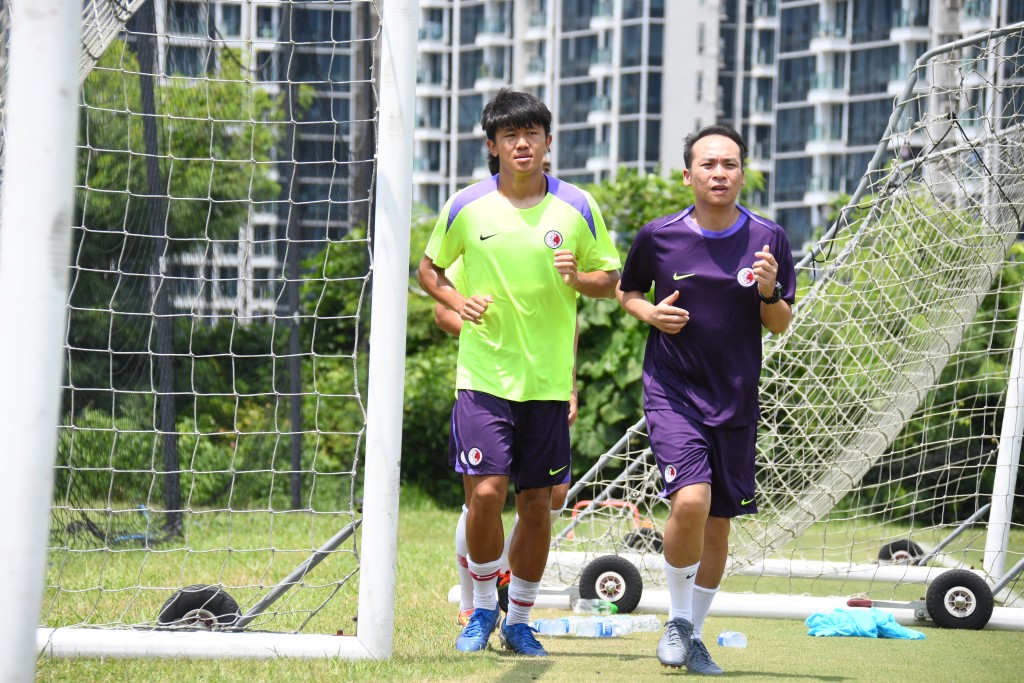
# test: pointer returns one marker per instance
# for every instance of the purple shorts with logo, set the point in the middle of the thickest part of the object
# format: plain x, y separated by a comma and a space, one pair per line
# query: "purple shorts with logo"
527, 441
689, 452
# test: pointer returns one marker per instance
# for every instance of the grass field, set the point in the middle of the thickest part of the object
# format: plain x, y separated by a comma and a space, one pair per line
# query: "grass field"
779, 650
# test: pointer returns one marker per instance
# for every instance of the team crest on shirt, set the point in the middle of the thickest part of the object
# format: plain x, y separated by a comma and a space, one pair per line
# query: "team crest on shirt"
670, 474
745, 277
473, 457
553, 239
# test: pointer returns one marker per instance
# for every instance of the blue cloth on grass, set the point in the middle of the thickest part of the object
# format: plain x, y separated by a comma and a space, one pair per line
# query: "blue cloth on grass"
868, 623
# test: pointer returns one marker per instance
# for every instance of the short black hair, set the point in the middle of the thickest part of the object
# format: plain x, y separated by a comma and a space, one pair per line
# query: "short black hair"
512, 109
704, 132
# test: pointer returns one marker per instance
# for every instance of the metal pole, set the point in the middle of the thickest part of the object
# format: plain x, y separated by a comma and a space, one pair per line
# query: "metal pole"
389, 302
37, 201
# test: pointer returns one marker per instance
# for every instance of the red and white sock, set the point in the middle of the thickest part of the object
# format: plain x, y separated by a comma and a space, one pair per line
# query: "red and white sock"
521, 596
485, 592
462, 565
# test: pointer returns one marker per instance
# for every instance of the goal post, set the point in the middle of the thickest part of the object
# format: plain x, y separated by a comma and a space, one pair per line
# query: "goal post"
237, 187
888, 441
36, 203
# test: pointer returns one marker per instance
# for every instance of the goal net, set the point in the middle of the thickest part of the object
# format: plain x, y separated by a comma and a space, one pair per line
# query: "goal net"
219, 396
882, 404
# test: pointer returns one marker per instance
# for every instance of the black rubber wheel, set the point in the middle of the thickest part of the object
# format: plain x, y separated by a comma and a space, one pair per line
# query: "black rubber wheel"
614, 579
200, 607
960, 599
903, 551
644, 539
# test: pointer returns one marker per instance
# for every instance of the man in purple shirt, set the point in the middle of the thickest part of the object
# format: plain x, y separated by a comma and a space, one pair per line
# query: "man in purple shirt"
719, 274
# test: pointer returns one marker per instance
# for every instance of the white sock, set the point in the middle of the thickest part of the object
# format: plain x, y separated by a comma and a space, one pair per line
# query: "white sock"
680, 590
461, 563
505, 566
521, 596
702, 598
555, 514
485, 591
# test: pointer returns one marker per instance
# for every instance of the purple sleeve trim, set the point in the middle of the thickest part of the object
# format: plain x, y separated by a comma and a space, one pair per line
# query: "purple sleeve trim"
470, 194
574, 197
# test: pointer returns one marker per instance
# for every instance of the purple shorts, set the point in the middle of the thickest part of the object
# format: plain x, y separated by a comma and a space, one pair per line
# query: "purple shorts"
689, 452
527, 441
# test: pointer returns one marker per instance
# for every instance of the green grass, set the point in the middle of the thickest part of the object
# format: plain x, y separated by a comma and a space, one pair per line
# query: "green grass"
779, 650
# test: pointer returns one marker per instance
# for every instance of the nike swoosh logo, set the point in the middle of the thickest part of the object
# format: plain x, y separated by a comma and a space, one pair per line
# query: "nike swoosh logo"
746, 501
677, 276
690, 576
552, 473
487, 237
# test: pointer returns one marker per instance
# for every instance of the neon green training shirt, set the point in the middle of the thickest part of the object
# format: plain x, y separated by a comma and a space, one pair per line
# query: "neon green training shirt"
522, 349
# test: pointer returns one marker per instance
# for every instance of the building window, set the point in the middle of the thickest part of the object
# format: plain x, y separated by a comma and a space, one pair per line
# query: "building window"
231, 20
186, 61
266, 22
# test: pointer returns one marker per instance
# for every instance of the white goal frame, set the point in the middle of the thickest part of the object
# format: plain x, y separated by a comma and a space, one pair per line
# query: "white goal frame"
41, 116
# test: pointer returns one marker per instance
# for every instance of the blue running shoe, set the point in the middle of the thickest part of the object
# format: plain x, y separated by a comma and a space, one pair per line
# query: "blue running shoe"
476, 633
699, 661
519, 639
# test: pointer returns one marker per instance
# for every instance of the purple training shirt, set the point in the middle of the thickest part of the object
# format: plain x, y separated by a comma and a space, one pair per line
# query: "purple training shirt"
710, 369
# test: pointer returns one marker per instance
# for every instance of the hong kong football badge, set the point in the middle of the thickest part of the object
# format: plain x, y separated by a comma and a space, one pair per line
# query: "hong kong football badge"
745, 277
553, 239
670, 474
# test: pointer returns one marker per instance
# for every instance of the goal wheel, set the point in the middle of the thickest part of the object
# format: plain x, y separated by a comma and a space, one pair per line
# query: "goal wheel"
903, 551
959, 598
644, 539
614, 579
200, 607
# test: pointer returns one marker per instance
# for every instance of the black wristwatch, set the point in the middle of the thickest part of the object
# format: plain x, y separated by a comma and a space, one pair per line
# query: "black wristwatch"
774, 298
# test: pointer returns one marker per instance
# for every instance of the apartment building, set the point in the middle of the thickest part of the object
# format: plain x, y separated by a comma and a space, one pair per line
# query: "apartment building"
606, 68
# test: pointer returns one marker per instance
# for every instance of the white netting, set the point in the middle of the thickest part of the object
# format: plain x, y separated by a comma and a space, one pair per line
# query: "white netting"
882, 402
213, 413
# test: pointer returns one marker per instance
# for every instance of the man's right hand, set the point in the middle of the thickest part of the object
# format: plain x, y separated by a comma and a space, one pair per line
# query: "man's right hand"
667, 317
474, 307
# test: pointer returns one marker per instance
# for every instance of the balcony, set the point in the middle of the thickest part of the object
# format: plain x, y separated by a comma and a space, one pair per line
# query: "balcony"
764, 64
490, 78
600, 111
429, 81
492, 33
536, 71
422, 168
829, 36
599, 158
827, 86
976, 15
603, 17
428, 128
909, 25
825, 138
761, 156
900, 73
821, 190
537, 26
602, 63
431, 33
761, 113
765, 15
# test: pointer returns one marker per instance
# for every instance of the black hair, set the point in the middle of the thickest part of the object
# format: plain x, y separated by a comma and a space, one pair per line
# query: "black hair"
704, 132
512, 109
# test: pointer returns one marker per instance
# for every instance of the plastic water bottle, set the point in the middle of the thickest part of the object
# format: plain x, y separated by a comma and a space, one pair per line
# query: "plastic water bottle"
587, 606
595, 627
732, 639
646, 622
552, 627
